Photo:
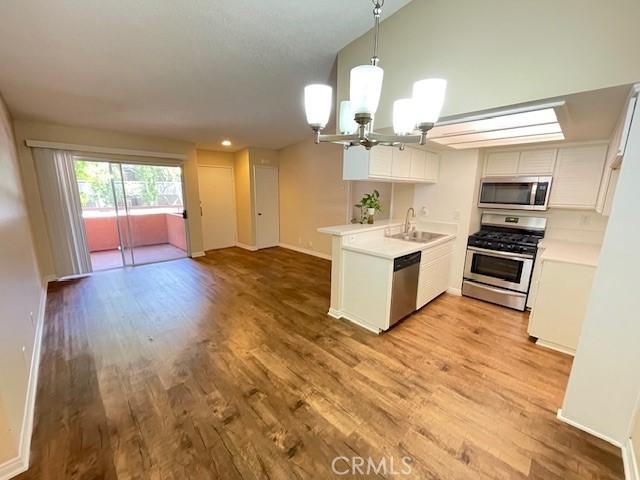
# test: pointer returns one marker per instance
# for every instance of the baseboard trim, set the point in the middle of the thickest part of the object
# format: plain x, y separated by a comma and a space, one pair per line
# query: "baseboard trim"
590, 431
339, 314
13, 467
251, 248
306, 251
454, 291
197, 254
556, 347
20, 464
631, 470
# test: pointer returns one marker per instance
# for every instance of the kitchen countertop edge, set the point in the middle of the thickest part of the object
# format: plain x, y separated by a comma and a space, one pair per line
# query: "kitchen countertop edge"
412, 247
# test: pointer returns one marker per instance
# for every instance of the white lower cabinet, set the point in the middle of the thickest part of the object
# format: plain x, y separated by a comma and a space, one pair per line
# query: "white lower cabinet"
434, 273
561, 296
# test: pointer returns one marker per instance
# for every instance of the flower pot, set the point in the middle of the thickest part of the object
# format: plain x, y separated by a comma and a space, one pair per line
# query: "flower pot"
370, 213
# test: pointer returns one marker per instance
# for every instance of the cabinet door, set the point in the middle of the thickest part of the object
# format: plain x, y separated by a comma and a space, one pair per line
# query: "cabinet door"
537, 162
577, 176
501, 163
380, 162
555, 319
433, 167
400, 163
433, 280
418, 164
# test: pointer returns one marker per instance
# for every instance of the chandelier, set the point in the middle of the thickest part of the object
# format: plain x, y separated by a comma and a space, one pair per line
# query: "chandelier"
412, 117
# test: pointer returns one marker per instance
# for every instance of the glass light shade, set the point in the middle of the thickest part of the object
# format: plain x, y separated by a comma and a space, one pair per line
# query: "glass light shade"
404, 116
317, 104
347, 123
428, 98
364, 88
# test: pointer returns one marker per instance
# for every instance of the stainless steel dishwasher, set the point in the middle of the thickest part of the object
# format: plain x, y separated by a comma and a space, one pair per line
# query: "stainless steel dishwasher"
404, 288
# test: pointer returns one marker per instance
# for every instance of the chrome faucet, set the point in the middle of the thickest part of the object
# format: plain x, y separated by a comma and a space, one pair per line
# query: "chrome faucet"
406, 220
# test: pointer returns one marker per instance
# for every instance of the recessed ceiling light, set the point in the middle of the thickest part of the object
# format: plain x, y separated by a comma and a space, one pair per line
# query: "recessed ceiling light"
226, 143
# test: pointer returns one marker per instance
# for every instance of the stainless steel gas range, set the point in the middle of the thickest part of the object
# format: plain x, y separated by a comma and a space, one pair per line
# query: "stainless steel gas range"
500, 259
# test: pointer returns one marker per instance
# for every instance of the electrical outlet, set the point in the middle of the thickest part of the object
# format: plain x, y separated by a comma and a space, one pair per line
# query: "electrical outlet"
424, 212
456, 214
585, 220
310, 244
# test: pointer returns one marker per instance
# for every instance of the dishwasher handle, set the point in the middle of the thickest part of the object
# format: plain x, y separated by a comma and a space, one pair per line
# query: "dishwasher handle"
406, 261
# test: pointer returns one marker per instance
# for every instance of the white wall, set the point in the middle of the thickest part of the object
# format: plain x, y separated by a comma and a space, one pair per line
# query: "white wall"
21, 292
582, 226
312, 194
104, 138
453, 200
604, 382
501, 52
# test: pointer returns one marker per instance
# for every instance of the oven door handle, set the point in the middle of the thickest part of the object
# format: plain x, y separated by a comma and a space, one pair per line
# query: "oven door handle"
497, 253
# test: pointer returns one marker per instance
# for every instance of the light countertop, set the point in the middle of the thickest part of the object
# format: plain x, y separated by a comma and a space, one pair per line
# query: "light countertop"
570, 252
342, 230
392, 247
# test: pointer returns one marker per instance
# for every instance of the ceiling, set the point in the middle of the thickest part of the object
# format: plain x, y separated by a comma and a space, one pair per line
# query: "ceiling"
200, 70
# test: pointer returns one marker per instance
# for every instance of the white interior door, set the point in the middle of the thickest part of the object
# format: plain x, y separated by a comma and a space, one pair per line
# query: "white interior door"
217, 198
266, 202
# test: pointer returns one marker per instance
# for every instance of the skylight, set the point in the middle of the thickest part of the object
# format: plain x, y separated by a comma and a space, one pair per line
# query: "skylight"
535, 124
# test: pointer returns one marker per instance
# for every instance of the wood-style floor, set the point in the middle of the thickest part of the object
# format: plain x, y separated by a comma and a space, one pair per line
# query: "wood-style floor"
227, 367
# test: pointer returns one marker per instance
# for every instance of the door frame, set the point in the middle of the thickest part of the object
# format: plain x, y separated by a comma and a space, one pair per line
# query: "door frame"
233, 194
254, 204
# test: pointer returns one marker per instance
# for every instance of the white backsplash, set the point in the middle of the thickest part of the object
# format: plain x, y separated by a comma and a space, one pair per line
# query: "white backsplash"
582, 226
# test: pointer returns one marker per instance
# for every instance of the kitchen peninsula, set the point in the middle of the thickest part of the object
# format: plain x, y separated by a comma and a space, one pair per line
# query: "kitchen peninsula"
379, 275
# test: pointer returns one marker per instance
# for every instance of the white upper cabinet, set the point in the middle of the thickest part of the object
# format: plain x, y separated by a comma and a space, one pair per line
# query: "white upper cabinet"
537, 162
433, 167
501, 163
577, 176
526, 162
401, 163
418, 164
391, 165
380, 162
615, 155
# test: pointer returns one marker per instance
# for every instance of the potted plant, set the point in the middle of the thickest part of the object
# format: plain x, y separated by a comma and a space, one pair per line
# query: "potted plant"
371, 203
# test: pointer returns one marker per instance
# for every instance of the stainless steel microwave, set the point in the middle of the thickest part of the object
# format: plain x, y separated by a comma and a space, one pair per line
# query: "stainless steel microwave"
515, 193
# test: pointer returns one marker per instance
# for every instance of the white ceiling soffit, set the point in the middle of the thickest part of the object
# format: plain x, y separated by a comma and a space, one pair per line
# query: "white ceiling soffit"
197, 70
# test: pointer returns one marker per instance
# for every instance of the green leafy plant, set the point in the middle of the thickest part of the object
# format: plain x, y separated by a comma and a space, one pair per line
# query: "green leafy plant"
371, 200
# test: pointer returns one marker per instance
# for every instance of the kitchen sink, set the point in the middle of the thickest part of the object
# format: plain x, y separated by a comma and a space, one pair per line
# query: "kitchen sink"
417, 236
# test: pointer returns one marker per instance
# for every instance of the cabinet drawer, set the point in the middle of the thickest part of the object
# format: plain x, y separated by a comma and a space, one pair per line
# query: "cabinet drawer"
434, 253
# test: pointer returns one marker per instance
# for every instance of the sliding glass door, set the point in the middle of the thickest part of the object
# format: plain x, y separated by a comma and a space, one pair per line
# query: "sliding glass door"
133, 213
